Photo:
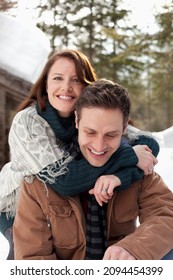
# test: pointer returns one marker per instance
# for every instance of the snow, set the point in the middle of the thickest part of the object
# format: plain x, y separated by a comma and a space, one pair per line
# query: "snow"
165, 166
24, 48
165, 157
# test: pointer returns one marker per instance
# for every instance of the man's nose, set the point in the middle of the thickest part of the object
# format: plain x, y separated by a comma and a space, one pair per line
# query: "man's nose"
99, 144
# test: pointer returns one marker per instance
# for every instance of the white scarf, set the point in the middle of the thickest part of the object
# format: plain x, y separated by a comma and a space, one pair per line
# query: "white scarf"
33, 147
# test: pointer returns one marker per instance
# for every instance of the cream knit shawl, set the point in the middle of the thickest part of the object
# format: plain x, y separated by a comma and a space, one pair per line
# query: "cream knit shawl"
33, 146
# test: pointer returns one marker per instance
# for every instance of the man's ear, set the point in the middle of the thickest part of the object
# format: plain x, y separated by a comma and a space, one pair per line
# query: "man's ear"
76, 120
125, 127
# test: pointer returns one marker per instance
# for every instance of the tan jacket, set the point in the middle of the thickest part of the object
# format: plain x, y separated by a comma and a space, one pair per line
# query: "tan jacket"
48, 226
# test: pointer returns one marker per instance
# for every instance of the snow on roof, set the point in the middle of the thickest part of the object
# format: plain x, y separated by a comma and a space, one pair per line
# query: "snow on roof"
24, 49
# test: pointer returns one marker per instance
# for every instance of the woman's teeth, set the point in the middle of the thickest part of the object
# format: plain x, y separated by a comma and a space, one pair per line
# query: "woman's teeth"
65, 97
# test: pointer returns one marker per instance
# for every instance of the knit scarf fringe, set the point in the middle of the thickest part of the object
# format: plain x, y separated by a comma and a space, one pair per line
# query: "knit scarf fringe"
9, 202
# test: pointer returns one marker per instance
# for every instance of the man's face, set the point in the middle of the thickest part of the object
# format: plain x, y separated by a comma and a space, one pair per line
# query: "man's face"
99, 134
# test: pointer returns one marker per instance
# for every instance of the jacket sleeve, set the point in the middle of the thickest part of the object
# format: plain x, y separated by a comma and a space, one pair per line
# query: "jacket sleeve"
122, 164
153, 238
127, 176
144, 139
32, 237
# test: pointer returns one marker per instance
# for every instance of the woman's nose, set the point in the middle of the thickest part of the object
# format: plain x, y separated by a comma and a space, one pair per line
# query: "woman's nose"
66, 86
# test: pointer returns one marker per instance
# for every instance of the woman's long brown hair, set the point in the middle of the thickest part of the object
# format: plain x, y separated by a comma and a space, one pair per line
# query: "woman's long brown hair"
85, 73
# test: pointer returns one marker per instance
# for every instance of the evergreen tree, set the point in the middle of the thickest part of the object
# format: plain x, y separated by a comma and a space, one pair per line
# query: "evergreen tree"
141, 62
54, 20
162, 70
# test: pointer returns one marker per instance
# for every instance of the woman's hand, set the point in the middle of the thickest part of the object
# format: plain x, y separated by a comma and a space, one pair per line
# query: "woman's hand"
103, 188
146, 160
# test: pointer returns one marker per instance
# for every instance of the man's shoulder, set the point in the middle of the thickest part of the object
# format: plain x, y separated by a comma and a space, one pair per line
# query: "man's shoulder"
154, 184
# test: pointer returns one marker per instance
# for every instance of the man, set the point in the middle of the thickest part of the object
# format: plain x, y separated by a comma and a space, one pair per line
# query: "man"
54, 226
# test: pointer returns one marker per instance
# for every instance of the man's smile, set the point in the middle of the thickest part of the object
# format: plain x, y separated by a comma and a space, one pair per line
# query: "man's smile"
96, 153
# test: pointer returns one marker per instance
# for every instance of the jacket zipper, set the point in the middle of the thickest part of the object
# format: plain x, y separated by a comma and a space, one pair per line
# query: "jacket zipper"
48, 224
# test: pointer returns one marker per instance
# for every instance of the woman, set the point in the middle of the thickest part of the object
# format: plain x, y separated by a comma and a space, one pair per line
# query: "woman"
43, 137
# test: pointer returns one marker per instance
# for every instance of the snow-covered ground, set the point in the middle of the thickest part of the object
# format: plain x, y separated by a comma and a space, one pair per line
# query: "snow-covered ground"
165, 157
165, 166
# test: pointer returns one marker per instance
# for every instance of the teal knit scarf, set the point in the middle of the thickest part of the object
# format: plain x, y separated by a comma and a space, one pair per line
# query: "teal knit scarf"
64, 128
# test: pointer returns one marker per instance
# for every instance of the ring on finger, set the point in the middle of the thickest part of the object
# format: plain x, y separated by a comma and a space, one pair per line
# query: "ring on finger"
104, 190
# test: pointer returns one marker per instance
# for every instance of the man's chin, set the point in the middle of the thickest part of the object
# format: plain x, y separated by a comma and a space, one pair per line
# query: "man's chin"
96, 163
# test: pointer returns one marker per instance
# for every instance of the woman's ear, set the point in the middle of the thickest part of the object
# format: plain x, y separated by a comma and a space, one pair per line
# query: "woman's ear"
76, 120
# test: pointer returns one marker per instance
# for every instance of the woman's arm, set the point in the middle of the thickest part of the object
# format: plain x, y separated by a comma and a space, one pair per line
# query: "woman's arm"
34, 151
124, 177
130, 175
81, 176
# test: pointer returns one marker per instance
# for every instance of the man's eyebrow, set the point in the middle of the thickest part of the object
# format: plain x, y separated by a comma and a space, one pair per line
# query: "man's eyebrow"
113, 132
88, 128
108, 132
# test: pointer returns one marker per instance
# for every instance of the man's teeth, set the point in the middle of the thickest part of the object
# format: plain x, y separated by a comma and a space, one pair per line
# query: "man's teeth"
97, 153
65, 97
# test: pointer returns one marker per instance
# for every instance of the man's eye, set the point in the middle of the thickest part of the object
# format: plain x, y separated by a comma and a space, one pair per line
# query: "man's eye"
89, 132
111, 136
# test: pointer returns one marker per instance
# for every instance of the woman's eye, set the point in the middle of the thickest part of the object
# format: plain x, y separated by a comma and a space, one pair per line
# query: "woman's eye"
58, 78
75, 81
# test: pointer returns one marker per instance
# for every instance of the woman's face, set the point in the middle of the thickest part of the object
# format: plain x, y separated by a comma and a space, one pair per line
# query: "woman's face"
63, 86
